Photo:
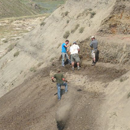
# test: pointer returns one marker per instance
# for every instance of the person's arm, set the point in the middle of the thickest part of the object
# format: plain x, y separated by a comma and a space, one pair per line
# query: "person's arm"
78, 49
66, 45
64, 79
52, 78
91, 44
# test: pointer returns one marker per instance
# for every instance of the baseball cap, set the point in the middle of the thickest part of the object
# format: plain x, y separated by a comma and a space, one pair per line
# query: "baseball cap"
92, 37
74, 43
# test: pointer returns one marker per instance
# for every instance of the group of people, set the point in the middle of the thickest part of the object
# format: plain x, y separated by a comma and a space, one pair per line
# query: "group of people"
74, 58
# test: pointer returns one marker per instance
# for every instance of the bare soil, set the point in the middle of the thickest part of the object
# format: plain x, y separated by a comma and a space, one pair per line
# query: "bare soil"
34, 106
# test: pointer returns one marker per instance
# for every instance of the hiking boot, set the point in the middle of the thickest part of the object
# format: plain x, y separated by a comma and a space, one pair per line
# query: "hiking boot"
78, 68
93, 64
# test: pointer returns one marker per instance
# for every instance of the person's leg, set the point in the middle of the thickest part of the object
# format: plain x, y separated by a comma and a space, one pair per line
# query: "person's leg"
77, 59
63, 59
72, 62
67, 58
58, 91
78, 65
66, 87
93, 57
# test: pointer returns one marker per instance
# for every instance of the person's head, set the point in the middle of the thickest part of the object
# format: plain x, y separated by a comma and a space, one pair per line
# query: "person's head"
74, 43
92, 38
58, 70
67, 41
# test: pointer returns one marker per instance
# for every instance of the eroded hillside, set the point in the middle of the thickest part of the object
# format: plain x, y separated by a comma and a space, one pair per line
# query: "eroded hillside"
14, 8
104, 87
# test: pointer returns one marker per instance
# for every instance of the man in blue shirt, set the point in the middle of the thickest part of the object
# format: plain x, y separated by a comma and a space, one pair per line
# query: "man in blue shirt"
64, 52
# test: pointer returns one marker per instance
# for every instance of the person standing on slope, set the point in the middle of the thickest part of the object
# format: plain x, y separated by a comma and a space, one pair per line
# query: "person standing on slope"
60, 82
94, 46
74, 49
64, 52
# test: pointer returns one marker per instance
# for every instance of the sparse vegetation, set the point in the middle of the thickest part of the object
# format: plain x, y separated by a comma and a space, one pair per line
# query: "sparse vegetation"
67, 21
76, 27
52, 59
39, 64
66, 13
128, 96
123, 79
58, 45
66, 35
92, 14
11, 47
42, 23
90, 9
81, 30
33, 69
16, 54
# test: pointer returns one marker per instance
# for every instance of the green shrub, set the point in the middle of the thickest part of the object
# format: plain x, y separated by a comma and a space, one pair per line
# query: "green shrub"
90, 9
123, 79
67, 21
92, 14
42, 23
81, 30
39, 64
11, 47
16, 54
66, 35
52, 59
33, 69
76, 27
66, 13
128, 96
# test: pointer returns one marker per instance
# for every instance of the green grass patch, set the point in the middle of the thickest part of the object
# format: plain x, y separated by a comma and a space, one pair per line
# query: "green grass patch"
66, 35
42, 23
33, 69
122, 79
81, 29
67, 21
92, 14
16, 54
75, 28
128, 96
11, 47
39, 64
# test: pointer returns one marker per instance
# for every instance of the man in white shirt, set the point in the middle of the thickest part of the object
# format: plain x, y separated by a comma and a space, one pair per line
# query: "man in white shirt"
74, 49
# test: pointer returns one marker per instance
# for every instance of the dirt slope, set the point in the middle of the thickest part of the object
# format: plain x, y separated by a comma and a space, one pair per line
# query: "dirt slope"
43, 44
34, 106
102, 104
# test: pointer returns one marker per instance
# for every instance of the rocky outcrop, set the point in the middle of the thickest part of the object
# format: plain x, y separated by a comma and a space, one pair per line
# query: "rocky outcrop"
118, 20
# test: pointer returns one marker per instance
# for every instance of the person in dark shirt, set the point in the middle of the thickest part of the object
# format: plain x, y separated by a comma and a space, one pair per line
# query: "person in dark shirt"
94, 46
60, 80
